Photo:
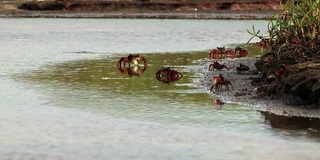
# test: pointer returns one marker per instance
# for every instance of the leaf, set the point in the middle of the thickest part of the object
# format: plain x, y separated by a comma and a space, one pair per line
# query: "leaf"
258, 32
250, 39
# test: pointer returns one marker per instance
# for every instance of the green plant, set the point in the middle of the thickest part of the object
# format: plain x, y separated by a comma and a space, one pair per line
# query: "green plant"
294, 32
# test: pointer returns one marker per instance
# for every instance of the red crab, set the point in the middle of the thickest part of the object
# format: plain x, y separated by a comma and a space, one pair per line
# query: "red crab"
237, 52
216, 53
241, 52
295, 41
264, 42
217, 66
132, 58
220, 81
280, 71
168, 75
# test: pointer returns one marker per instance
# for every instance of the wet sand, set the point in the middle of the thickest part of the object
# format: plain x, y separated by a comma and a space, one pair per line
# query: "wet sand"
245, 93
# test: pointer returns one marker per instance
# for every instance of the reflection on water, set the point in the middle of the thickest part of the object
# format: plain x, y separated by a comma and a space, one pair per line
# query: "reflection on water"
104, 74
132, 70
133, 65
98, 85
218, 103
310, 125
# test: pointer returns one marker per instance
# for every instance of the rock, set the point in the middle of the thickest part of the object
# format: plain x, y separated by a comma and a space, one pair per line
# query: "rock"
298, 77
304, 80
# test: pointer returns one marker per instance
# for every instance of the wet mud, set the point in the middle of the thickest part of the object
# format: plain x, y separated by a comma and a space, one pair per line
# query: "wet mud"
245, 93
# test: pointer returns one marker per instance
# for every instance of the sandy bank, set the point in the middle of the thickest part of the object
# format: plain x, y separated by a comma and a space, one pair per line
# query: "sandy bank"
241, 15
245, 93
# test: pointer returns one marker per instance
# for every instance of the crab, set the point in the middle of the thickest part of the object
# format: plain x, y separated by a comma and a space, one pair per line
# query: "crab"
280, 71
217, 66
277, 73
264, 42
242, 69
237, 52
241, 52
216, 53
134, 59
219, 82
168, 75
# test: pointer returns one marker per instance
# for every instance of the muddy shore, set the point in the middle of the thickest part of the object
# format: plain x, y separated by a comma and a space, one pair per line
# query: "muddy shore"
160, 9
245, 93
236, 15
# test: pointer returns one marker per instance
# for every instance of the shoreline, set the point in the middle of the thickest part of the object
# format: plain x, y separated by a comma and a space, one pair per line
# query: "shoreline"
221, 14
161, 9
244, 93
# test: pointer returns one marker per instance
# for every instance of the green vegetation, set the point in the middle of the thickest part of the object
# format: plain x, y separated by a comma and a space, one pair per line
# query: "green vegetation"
295, 32
292, 65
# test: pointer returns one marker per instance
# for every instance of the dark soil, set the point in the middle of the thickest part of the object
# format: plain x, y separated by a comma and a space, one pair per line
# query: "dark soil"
219, 9
149, 5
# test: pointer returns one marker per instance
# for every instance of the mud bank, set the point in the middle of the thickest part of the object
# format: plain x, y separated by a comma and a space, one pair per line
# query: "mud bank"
245, 93
160, 9
236, 15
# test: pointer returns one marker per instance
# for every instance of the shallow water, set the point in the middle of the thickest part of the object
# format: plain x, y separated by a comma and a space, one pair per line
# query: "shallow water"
62, 92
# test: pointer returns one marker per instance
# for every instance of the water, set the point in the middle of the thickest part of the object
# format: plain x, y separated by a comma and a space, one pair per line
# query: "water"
63, 97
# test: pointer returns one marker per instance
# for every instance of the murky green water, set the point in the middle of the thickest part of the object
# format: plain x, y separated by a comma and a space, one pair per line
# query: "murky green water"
99, 86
